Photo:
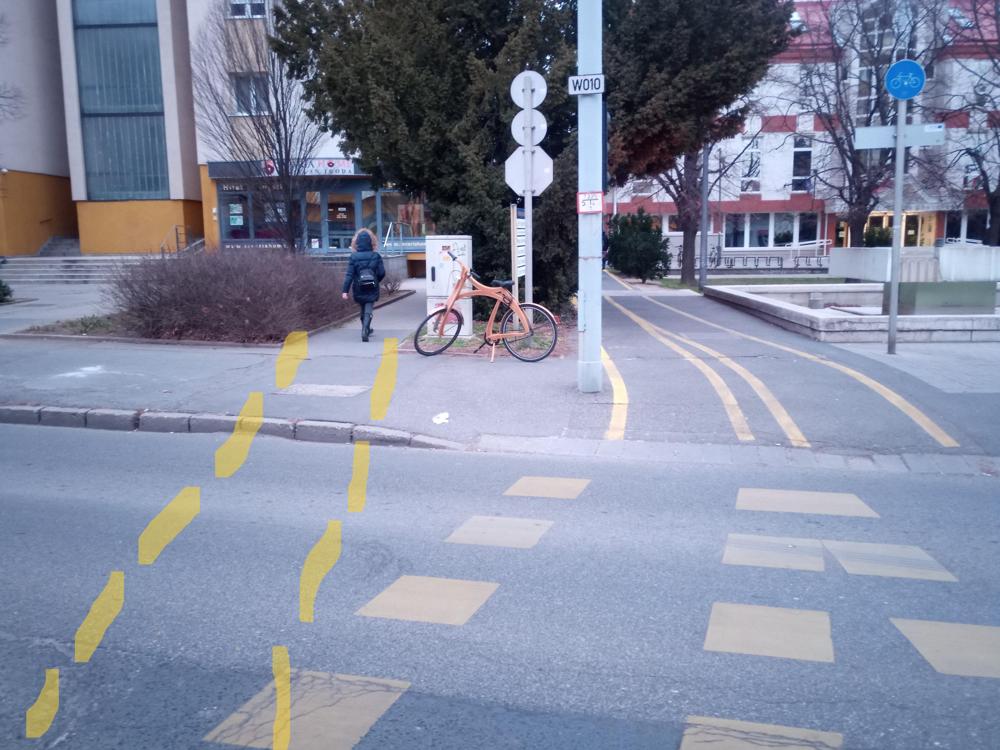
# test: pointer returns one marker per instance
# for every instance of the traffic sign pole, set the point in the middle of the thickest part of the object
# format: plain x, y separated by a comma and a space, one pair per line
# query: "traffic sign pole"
529, 190
897, 224
590, 115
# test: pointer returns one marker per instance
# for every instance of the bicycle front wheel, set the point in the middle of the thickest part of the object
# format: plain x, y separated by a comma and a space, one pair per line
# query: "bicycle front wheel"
535, 343
437, 332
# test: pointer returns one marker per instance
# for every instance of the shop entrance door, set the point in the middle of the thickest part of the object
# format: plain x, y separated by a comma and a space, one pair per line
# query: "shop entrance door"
340, 220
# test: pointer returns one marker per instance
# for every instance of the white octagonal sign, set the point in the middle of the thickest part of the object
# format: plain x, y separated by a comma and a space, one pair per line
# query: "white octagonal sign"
515, 170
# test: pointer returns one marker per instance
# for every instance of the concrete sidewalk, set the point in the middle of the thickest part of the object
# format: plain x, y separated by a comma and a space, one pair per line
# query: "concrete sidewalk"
453, 397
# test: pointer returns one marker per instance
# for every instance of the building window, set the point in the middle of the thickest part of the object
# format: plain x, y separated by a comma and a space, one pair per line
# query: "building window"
802, 165
760, 230
735, 230
750, 183
250, 94
121, 99
247, 10
808, 228
784, 229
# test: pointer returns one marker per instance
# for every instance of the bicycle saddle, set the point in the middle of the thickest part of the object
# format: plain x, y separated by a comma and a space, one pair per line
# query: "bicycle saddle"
508, 284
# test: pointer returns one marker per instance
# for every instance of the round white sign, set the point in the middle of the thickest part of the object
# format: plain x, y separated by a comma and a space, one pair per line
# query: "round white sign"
537, 131
524, 82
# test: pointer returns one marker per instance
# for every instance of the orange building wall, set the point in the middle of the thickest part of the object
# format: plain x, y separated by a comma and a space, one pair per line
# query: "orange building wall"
33, 208
209, 209
108, 227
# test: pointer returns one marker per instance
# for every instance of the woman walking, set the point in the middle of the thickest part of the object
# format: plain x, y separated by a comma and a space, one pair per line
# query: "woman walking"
365, 272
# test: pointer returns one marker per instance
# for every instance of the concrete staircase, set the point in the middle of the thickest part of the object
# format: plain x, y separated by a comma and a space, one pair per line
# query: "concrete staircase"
60, 247
18, 271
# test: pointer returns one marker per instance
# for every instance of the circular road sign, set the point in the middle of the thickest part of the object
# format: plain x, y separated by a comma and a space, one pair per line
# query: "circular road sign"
538, 127
531, 80
905, 79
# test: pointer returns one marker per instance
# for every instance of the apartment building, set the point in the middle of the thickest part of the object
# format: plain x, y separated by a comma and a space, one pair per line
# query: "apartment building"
779, 185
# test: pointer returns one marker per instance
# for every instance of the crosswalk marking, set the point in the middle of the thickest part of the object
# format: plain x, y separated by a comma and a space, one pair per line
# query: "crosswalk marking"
707, 733
888, 560
774, 552
770, 631
955, 648
499, 531
802, 501
328, 712
446, 601
558, 488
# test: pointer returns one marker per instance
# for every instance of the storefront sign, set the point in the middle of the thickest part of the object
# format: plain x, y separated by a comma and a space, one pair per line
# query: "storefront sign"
315, 167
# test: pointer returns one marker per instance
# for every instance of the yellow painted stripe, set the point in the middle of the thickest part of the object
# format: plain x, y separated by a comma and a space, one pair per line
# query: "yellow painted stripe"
357, 490
39, 717
231, 454
619, 399
781, 416
927, 424
102, 613
620, 281
320, 561
729, 402
293, 351
168, 523
385, 379
281, 668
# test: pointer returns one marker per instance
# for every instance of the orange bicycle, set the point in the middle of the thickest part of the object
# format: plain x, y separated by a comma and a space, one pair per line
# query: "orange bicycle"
527, 331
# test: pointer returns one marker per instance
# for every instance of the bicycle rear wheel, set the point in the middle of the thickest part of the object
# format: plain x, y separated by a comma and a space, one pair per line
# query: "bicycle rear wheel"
536, 343
428, 340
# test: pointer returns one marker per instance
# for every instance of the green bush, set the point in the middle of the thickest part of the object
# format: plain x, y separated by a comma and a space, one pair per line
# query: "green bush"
244, 296
637, 247
6, 295
878, 237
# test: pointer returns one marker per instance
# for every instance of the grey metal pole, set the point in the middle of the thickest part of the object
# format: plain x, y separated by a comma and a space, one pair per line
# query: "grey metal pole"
897, 224
703, 271
590, 116
529, 190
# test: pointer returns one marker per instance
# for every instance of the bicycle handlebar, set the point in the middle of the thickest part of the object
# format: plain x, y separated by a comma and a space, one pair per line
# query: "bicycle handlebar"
472, 273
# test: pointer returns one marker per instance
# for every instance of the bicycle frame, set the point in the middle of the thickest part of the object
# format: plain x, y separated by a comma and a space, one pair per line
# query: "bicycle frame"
499, 294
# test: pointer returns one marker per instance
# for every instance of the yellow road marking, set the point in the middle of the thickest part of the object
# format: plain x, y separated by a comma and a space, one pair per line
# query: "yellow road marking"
781, 416
293, 351
623, 283
231, 454
619, 399
729, 402
926, 423
385, 379
281, 668
38, 718
168, 523
320, 561
357, 490
102, 613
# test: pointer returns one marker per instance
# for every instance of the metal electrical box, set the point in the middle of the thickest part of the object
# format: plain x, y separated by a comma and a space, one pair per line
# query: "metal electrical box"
443, 273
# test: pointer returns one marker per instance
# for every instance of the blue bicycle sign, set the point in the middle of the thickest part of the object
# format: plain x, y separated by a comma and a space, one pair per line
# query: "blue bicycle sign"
905, 79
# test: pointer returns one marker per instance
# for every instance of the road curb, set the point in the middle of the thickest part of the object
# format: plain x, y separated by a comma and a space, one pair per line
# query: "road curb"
149, 420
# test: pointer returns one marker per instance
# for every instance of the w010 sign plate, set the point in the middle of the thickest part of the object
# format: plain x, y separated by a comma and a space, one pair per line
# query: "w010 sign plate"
592, 84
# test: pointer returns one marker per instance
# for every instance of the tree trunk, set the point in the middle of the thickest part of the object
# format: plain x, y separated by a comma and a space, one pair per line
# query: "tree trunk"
993, 231
688, 247
857, 229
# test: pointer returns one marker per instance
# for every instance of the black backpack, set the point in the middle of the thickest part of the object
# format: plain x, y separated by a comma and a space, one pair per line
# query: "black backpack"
367, 282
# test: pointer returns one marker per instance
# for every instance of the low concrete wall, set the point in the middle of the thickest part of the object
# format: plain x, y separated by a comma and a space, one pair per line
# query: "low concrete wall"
836, 326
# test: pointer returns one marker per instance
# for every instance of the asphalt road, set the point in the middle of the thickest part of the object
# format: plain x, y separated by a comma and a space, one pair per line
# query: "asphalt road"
593, 638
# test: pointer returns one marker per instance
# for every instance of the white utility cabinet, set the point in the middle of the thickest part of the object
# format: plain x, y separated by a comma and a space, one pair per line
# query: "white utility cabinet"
443, 273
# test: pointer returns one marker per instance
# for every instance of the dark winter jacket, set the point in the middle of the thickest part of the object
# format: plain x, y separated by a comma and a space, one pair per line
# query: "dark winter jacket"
359, 260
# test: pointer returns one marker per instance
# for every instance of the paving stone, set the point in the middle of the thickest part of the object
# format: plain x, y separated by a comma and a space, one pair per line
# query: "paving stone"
164, 421
113, 419
885, 462
323, 432
862, 463
284, 428
830, 461
63, 416
212, 422
19, 414
380, 435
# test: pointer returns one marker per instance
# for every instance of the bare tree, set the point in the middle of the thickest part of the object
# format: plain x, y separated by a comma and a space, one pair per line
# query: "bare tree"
970, 166
253, 113
846, 49
11, 97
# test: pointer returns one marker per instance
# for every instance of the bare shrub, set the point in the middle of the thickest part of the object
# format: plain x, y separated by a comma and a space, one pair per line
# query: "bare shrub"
246, 296
391, 283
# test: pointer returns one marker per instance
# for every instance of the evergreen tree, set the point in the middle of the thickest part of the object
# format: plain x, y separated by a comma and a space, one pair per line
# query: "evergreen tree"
677, 71
420, 91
